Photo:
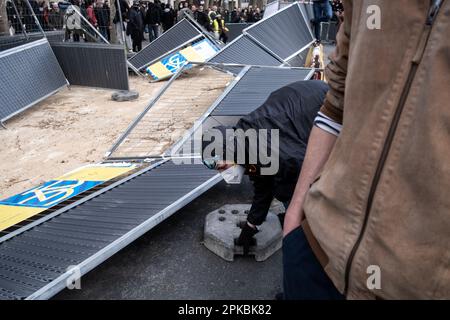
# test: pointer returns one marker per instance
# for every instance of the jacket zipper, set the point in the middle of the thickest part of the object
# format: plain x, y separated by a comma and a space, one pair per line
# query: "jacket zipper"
432, 13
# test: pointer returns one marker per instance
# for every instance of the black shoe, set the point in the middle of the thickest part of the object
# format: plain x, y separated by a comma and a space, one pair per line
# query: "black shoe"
279, 296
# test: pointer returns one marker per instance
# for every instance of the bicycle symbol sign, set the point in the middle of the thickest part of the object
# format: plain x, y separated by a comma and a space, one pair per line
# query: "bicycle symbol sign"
50, 193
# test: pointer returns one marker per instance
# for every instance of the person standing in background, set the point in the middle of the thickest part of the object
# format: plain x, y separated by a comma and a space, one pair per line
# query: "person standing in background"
322, 13
153, 20
91, 13
72, 22
102, 15
219, 28
202, 18
257, 15
55, 18
167, 18
108, 10
123, 7
135, 27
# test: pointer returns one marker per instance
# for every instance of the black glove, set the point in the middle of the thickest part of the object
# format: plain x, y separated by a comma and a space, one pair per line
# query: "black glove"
246, 238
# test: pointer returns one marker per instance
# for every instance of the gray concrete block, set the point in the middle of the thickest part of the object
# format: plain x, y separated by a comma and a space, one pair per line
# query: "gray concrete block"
223, 226
124, 95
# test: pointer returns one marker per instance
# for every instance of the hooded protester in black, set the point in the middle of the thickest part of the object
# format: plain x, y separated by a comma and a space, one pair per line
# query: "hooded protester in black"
292, 110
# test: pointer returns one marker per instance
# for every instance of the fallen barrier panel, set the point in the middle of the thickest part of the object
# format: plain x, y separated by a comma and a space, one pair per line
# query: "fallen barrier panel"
285, 34
247, 92
179, 35
185, 98
244, 51
307, 9
235, 30
271, 8
199, 51
93, 64
18, 212
28, 74
255, 86
36, 264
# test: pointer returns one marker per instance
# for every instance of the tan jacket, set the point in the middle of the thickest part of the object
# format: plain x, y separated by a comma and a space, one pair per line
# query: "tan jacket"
383, 198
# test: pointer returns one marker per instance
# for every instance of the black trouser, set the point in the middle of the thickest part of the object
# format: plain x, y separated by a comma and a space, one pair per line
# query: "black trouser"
137, 44
303, 276
223, 37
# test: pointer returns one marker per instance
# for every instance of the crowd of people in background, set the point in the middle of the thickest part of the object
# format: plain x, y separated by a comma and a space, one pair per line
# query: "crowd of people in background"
153, 17
138, 21
139, 18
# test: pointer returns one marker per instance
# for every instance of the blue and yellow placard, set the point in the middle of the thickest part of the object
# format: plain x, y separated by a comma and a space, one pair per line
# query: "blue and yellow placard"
198, 52
22, 206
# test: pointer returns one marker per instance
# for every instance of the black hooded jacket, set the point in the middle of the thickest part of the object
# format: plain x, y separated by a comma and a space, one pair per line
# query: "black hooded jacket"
292, 110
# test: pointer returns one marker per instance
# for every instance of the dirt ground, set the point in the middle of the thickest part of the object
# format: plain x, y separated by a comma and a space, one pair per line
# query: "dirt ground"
70, 129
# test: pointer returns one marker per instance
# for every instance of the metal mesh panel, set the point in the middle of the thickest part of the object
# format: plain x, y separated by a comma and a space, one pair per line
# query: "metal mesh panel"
254, 88
84, 64
28, 74
284, 33
173, 38
299, 60
184, 100
308, 11
235, 29
8, 42
244, 51
271, 8
36, 258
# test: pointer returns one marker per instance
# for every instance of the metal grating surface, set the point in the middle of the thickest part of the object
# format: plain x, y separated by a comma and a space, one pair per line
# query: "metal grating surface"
284, 33
235, 30
244, 51
28, 74
180, 34
308, 11
299, 60
179, 104
34, 263
271, 8
254, 88
8, 42
85, 64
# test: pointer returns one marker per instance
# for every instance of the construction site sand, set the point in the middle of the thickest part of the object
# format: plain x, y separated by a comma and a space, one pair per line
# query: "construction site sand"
70, 129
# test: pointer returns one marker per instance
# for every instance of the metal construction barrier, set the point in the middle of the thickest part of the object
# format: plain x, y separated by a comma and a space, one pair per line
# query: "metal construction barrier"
8, 42
27, 209
199, 51
244, 51
28, 74
283, 38
307, 9
183, 99
271, 8
93, 64
284, 34
39, 263
328, 31
180, 35
235, 30
254, 87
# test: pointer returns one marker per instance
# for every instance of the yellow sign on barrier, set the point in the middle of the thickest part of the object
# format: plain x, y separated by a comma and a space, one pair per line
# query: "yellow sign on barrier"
198, 52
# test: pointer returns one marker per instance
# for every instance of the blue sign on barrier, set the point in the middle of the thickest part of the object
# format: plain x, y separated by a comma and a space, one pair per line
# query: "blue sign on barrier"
50, 193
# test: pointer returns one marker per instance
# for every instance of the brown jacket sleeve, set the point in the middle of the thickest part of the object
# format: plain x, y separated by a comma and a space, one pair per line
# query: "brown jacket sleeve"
336, 70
